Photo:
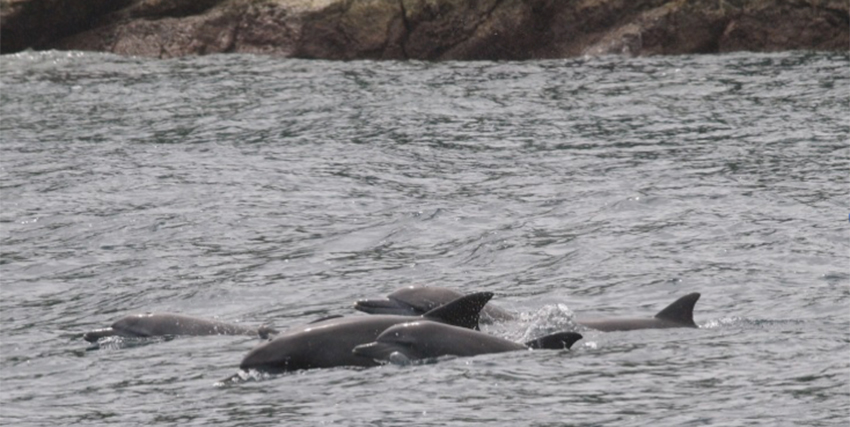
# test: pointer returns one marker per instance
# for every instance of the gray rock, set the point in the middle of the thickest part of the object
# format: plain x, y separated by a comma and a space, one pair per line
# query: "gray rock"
423, 29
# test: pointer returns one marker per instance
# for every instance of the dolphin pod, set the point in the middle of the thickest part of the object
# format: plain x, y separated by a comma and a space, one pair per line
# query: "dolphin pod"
417, 300
424, 339
447, 325
166, 324
330, 343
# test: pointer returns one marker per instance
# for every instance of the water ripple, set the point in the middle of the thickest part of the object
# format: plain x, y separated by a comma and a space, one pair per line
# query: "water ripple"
277, 191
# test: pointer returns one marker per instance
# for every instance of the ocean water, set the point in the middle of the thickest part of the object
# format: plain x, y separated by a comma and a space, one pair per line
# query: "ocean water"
259, 190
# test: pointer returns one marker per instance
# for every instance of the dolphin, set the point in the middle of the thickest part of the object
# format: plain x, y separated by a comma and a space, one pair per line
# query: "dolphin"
679, 314
329, 343
166, 324
426, 340
417, 300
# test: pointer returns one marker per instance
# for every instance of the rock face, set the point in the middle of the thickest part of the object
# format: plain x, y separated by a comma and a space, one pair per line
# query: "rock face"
423, 29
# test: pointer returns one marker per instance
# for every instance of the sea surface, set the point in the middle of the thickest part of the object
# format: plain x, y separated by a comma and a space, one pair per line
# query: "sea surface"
260, 190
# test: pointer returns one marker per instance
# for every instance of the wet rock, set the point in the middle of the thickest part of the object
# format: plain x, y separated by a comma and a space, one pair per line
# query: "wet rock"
423, 29
801, 25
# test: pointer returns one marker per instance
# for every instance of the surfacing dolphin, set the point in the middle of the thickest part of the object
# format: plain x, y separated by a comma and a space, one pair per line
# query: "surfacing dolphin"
166, 324
417, 300
679, 314
329, 343
427, 340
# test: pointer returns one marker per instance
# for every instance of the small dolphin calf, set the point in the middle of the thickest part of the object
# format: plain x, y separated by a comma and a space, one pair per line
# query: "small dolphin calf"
416, 300
426, 340
679, 314
165, 324
329, 343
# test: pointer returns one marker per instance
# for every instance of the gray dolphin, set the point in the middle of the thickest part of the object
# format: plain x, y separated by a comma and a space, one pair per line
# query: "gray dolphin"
425, 340
166, 324
416, 300
329, 342
679, 314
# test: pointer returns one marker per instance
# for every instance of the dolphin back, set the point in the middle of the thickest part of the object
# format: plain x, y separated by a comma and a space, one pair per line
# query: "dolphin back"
166, 324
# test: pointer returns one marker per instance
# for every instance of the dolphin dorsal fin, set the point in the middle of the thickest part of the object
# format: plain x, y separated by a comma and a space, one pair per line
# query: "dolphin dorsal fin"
681, 311
461, 312
558, 341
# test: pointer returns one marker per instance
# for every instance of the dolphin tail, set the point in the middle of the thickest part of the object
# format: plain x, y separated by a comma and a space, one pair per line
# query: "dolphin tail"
681, 311
558, 341
463, 312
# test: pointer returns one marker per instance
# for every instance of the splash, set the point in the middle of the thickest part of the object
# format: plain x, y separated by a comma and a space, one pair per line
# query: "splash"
118, 342
548, 320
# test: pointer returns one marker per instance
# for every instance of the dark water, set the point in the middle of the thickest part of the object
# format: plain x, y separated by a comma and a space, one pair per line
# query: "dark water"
261, 190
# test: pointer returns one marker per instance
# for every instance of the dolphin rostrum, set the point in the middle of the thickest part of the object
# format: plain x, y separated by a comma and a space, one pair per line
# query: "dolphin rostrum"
426, 340
416, 300
679, 314
166, 324
329, 342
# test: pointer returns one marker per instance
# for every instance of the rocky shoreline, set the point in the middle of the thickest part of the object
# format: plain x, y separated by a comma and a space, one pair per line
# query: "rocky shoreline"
424, 29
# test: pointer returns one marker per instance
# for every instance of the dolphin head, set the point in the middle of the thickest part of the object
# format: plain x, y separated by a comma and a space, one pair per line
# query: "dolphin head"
268, 356
265, 331
136, 325
397, 353
384, 352
399, 344
95, 335
409, 301
386, 306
